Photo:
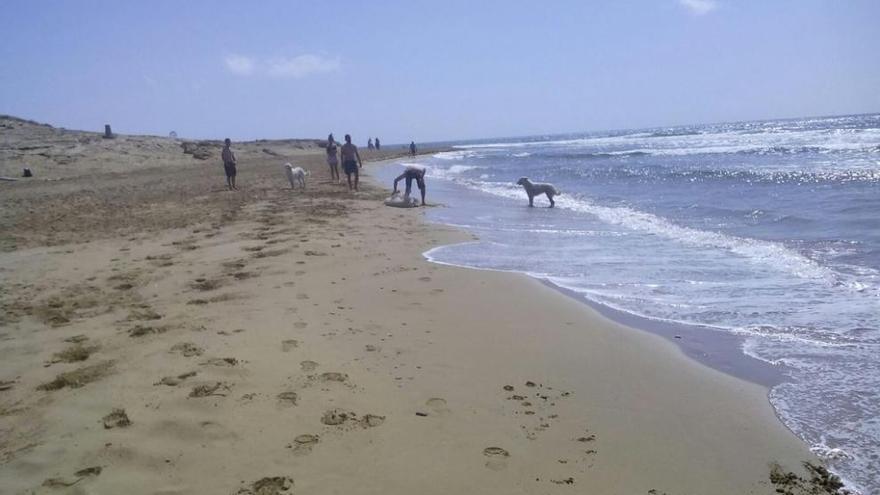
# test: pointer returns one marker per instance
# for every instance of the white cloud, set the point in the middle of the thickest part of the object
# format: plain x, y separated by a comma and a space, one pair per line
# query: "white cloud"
301, 66
237, 64
295, 67
699, 7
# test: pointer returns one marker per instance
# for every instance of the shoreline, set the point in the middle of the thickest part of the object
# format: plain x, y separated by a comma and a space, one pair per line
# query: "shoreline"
713, 348
303, 335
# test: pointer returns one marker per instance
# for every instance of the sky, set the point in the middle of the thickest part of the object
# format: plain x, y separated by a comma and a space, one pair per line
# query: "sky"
432, 71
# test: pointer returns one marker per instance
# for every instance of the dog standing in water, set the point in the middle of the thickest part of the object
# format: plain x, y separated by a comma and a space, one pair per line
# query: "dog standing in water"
296, 175
538, 188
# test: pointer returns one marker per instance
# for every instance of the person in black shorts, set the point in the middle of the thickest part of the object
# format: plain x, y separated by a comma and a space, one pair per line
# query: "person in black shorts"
351, 162
412, 173
229, 164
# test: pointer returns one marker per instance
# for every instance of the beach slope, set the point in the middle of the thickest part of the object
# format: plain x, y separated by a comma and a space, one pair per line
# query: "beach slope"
163, 335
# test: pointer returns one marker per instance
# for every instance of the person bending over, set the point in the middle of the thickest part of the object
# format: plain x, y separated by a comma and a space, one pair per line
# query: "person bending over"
411, 173
351, 162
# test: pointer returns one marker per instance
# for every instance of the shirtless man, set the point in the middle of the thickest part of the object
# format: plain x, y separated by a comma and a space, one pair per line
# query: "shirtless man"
229, 164
411, 173
351, 161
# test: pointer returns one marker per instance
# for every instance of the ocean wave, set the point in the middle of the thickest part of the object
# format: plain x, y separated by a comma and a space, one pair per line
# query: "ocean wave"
768, 175
449, 173
741, 139
768, 253
453, 155
674, 132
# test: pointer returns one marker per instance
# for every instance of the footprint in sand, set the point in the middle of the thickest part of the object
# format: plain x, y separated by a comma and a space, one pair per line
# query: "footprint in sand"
288, 398
116, 419
437, 405
371, 420
333, 376
227, 361
303, 444
275, 485
308, 365
77, 477
202, 284
300, 324
216, 388
234, 265
302, 296
173, 381
335, 417
187, 349
287, 345
497, 458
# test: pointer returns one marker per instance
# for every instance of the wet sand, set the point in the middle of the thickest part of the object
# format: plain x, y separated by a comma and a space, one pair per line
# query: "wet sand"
163, 335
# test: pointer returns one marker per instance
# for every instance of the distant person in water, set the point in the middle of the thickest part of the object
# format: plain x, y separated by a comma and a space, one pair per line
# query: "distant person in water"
370, 143
412, 148
412, 173
351, 162
229, 164
332, 161
378, 145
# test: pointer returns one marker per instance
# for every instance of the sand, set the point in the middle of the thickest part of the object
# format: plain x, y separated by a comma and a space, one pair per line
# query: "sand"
160, 334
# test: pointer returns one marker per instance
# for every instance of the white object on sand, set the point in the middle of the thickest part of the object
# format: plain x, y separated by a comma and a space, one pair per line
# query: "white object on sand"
399, 201
295, 175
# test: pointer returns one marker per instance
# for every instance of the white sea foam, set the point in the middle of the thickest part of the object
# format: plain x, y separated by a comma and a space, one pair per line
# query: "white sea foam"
772, 254
723, 142
454, 155
457, 169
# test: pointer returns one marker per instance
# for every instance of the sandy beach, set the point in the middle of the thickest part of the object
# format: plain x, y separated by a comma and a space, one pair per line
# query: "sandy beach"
160, 334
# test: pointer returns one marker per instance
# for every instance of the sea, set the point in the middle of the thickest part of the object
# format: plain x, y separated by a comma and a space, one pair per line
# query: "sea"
765, 230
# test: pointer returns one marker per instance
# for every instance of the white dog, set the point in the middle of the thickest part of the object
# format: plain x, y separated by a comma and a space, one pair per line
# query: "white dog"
538, 188
296, 175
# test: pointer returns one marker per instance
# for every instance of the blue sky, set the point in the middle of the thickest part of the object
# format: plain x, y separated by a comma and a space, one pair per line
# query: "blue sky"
433, 70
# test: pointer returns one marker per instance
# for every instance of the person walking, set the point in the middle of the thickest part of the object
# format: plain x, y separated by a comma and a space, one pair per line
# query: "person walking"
370, 143
229, 164
351, 162
412, 148
332, 161
378, 145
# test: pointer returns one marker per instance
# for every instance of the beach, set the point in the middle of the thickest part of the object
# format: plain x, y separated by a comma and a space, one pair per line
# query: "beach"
161, 334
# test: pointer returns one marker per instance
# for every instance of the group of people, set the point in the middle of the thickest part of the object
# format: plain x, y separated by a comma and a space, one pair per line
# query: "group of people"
351, 165
370, 145
351, 160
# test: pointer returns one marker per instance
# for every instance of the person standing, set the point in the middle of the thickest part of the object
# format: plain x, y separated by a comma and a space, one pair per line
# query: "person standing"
370, 143
412, 148
229, 164
351, 162
332, 161
378, 146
